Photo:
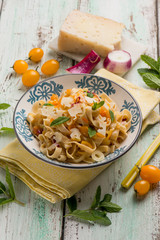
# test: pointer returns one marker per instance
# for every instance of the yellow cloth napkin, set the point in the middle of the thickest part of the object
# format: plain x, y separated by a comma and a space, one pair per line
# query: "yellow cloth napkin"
55, 183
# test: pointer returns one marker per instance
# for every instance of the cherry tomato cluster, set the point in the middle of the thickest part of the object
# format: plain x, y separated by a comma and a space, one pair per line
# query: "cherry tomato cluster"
149, 174
31, 77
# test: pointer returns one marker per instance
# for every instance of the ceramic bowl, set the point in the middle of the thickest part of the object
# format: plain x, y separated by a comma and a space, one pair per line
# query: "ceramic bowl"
43, 91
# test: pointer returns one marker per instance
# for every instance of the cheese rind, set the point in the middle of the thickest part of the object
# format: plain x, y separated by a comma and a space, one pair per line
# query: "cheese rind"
83, 32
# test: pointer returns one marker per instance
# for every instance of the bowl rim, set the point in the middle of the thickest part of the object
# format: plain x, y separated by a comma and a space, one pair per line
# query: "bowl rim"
70, 166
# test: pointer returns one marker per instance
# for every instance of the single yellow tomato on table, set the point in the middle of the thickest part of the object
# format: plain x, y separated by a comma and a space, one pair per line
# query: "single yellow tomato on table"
150, 173
36, 54
142, 187
50, 67
20, 66
30, 78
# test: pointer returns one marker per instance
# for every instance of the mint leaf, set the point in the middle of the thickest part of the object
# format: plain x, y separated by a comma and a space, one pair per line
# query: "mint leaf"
2, 188
92, 215
97, 105
111, 115
5, 201
101, 217
59, 121
72, 203
48, 104
4, 106
142, 71
91, 132
6, 130
89, 94
2, 200
151, 80
158, 61
96, 199
107, 198
10, 185
11, 196
110, 207
151, 62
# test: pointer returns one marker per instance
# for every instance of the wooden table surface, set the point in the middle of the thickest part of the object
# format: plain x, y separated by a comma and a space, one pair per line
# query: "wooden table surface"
25, 24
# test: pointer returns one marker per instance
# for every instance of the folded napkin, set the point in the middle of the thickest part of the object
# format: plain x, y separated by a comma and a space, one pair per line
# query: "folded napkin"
55, 183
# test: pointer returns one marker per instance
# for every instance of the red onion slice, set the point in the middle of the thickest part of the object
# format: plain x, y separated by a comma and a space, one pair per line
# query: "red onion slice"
118, 61
87, 64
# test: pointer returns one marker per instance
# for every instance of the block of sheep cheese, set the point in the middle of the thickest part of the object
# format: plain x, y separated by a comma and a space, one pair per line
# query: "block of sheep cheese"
83, 32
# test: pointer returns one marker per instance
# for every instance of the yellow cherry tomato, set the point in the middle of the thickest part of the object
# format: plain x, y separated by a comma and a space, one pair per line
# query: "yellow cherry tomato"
30, 78
36, 54
50, 67
150, 173
20, 66
142, 187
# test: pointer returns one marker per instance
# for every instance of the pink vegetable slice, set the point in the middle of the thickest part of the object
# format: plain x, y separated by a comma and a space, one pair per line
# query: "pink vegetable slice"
118, 61
87, 64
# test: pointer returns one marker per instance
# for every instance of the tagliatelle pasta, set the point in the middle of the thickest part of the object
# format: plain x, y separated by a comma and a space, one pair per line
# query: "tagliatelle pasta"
79, 126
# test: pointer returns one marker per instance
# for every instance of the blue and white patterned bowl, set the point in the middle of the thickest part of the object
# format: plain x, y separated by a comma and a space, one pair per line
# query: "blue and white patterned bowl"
43, 91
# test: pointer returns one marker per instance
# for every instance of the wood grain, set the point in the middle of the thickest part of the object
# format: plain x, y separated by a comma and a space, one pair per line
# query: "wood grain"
22, 27
27, 24
141, 26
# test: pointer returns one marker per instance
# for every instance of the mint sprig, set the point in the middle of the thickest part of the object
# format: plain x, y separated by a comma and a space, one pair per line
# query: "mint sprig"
142, 71
4, 106
97, 212
72, 203
59, 121
151, 76
91, 132
111, 115
9, 195
97, 105
6, 130
151, 80
96, 199
89, 94
48, 104
150, 62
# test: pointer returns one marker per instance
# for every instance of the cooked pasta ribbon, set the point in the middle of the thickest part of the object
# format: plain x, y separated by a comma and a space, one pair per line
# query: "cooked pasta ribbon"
71, 139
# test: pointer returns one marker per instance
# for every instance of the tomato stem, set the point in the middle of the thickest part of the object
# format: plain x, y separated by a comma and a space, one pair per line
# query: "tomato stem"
37, 68
138, 167
26, 59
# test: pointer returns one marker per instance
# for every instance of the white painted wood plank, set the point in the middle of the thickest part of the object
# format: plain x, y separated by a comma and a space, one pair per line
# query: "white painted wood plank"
24, 25
138, 219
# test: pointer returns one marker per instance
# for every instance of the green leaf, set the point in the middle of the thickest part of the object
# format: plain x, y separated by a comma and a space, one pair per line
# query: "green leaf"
48, 104
96, 199
110, 207
92, 215
101, 217
9, 181
59, 121
151, 80
111, 115
72, 203
5, 201
97, 105
2, 188
107, 198
142, 71
2, 200
89, 94
151, 62
6, 130
91, 132
158, 61
4, 106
